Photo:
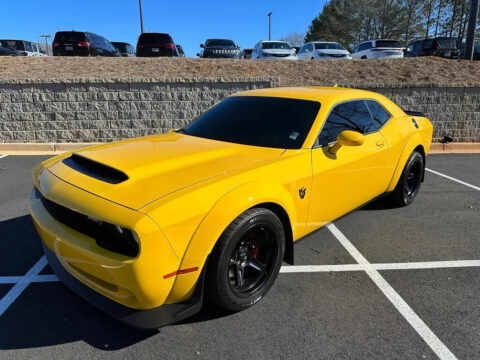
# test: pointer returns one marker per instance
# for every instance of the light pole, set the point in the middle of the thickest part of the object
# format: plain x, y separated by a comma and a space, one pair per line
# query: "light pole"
46, 42
269, 25
141, 15
472, 24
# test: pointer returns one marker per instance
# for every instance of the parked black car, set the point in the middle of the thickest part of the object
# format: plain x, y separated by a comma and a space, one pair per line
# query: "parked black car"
476, 51
125, 49
8, 52
441, 46
156, 44
180, 51
78, 43
220, 48
247, 53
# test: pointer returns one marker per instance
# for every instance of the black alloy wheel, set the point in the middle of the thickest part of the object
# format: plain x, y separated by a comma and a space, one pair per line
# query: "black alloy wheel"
252, 260
409, 183
246, 260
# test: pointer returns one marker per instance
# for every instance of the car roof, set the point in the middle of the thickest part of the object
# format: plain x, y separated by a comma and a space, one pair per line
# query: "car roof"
308, 93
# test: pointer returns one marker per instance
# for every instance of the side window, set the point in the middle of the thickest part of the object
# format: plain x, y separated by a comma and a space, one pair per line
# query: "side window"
28, 46
352, 115
310, 47
428, 44
379, 114
368, 45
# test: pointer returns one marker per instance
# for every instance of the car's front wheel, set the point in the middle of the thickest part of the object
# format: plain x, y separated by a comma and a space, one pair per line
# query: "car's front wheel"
409, 183
246, 260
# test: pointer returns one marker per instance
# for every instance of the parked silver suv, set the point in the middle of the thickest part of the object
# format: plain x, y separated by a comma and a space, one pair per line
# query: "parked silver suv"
376, 49
278, 50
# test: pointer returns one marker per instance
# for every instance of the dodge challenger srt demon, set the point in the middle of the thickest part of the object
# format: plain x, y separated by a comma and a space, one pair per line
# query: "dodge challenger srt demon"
144, 228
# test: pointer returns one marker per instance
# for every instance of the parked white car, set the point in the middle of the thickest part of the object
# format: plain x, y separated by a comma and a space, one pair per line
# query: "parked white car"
278, 50
323, 50
26, 48
376, 49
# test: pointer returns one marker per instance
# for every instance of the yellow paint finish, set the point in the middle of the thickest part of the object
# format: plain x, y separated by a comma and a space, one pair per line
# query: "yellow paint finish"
183, 192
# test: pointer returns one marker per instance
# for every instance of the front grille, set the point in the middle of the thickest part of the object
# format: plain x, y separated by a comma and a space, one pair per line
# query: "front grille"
105, 235
279, 55
337, 55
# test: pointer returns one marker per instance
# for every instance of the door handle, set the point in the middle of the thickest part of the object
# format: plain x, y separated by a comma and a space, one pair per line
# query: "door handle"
379, 143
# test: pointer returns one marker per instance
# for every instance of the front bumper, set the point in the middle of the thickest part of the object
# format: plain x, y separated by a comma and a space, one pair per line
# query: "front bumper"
142, 319
135, 283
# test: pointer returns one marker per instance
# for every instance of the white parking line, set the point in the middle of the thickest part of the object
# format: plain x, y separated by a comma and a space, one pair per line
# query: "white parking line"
453, 179
413, 319
33, 278
2, 156
18, 288
387, 266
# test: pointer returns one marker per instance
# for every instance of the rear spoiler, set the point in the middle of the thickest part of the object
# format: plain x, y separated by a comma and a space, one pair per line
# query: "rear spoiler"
414, 113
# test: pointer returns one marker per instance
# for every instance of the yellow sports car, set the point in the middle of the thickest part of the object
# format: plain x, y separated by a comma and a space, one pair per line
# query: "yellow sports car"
143, 228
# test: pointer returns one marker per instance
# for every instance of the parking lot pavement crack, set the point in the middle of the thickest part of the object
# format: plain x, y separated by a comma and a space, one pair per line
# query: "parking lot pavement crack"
405, 310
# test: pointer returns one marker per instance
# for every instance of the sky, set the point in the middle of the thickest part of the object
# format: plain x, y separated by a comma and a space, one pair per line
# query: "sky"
190, 22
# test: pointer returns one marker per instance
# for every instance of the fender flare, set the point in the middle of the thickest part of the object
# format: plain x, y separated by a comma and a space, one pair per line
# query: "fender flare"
230, 206
414, 142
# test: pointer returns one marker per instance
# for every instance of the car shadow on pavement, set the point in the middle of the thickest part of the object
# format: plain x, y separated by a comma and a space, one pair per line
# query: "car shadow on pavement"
48, 313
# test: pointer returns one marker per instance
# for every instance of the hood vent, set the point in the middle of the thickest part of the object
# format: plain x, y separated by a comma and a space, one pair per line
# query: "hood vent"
95, 169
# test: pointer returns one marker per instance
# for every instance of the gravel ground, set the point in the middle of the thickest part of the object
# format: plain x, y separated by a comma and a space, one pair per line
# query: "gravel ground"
291, 73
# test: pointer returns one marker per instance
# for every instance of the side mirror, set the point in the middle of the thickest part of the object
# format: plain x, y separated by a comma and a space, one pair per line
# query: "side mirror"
347, 138
201, 45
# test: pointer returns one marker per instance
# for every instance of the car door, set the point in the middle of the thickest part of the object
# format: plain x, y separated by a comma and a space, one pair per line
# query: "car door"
354, 175
301, 53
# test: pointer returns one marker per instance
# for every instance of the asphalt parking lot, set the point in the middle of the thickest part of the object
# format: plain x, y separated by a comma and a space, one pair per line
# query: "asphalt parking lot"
378, 283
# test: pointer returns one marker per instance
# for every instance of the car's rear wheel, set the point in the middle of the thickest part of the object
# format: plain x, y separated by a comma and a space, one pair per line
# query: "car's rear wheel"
246, 260
409, 183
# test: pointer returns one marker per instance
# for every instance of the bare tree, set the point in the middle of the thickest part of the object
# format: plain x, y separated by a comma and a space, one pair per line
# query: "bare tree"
294, 38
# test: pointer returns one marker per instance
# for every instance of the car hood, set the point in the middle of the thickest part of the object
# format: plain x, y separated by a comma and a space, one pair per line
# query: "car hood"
136, 172
221, 48
278, 51
333, 51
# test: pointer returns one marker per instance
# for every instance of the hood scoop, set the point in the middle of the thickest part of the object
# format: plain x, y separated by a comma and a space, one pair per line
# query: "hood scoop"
95, 169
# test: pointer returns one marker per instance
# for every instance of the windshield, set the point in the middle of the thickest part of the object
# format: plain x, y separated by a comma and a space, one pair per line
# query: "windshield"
275, 45
13, 44
69, 37
122, 47
152, 38
219, 42
258, 121
446, 43
328, 46
387, 44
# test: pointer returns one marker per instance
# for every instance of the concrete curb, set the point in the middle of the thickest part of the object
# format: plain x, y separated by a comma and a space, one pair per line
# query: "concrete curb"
458, 148
40, 148
57, 148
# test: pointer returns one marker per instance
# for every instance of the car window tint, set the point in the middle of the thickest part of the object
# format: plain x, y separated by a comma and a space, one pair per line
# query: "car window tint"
352, 115
258, 121
379, 114
28, 46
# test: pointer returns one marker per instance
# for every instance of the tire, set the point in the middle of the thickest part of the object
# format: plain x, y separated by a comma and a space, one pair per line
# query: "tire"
409, 183
246, 260
364, 57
